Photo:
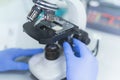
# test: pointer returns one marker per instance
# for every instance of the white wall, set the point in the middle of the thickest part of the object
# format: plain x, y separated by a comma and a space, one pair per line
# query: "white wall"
12, 16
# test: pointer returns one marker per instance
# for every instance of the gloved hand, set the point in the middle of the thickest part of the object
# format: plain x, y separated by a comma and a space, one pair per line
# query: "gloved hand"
84, 67
7, 58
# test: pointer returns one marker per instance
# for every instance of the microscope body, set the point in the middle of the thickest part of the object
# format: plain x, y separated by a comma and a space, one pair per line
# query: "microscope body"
51, 65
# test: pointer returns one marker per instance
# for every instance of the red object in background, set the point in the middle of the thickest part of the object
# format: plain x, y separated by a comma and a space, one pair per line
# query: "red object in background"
111, 18
98, 17
105, 18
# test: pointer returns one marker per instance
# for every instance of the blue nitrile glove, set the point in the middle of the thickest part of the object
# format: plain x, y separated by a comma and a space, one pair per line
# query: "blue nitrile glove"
84, 67
7, 58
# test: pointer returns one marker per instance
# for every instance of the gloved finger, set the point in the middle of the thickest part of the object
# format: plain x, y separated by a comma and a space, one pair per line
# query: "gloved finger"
19, 66
68, 50
80, 48
27, 52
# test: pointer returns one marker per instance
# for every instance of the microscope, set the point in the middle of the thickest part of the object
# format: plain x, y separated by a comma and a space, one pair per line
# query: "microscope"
52, 29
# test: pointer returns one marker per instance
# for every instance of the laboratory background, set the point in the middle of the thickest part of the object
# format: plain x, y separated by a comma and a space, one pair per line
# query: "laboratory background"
102, 25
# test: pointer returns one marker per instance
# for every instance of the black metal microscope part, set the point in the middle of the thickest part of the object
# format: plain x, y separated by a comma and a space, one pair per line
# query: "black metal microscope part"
51, 29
